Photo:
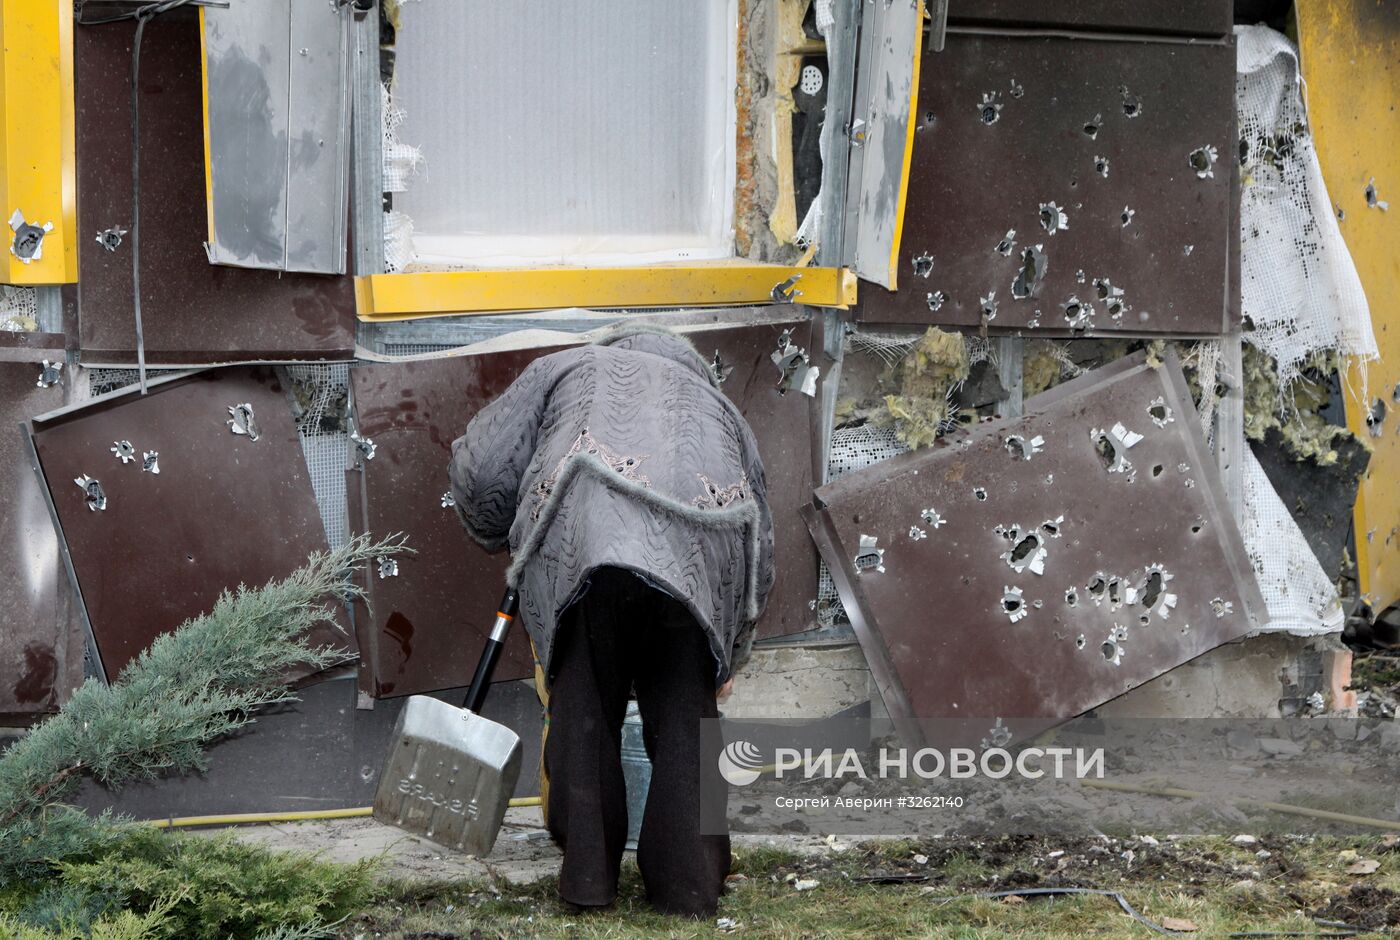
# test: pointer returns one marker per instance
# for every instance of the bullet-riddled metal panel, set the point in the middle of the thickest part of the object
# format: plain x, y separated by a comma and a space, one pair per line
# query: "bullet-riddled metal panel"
194, 312
277, 123
166, 500
1069, 185
41, 653
428, 621
886, 73
430, 612
1179, 18
1041, 566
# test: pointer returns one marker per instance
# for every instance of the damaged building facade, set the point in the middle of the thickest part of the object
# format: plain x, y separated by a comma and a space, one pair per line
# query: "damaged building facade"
1065, 334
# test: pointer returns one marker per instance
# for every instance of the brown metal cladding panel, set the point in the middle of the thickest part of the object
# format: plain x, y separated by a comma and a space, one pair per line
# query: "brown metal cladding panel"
971, 182
933, 624
193, 312
429, 622
41, 657
785, 427
1178, 18
426, 626
224, 510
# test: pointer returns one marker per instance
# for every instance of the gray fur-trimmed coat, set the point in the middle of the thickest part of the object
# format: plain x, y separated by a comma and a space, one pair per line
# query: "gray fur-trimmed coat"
622, 453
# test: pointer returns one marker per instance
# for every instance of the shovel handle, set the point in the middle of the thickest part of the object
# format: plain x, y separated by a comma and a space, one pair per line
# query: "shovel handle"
481, 681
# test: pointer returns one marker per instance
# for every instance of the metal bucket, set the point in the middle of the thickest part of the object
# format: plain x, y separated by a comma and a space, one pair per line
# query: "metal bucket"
636, 772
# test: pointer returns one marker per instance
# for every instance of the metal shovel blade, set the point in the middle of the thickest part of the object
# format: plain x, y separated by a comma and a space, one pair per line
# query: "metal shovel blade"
449, 775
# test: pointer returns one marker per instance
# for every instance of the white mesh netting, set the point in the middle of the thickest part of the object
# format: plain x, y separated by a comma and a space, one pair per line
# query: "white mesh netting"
1299, 286
401, 160
1300, 598
851, 449
398, 241
19, 309
321, 391
1301, 292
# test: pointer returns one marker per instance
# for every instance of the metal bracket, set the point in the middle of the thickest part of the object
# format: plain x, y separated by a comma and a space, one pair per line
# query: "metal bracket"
938, 26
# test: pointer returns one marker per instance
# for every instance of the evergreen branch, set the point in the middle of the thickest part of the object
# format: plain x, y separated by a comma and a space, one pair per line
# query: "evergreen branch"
200, 682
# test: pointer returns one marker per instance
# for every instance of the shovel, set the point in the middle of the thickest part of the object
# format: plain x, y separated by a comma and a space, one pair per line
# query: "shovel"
450, 773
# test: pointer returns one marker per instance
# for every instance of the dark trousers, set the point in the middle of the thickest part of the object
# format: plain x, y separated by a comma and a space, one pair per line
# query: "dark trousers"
621, 635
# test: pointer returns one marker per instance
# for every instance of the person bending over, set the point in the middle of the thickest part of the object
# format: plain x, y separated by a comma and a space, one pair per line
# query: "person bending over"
631, 494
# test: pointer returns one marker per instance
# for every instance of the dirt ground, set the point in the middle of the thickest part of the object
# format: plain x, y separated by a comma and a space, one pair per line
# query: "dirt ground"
809, 886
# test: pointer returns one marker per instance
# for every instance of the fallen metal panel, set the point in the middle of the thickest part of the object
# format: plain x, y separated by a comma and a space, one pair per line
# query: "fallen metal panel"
314, 754
180, 507
1015, 134
1011, 572
427, 622
194, 313
879, 136
1179, 18
277, 123
41, 659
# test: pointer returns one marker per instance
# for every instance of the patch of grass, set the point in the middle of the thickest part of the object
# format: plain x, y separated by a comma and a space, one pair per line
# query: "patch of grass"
1277, 883
1375, 671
